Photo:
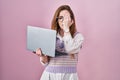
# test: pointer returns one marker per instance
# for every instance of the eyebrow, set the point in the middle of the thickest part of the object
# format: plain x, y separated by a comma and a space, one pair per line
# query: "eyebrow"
60, 17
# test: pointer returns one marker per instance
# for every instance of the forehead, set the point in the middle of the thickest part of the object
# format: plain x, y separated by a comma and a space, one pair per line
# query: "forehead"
64, 12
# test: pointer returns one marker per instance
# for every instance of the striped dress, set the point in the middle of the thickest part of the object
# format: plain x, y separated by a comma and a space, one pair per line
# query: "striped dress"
63, 66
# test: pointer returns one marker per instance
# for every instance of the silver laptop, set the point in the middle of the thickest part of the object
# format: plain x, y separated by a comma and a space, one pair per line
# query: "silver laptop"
41, 38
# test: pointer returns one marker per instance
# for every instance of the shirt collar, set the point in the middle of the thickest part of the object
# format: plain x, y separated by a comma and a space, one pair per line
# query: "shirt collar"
58, 36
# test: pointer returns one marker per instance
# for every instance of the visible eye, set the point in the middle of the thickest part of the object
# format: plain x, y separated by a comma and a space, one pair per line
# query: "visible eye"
60, 18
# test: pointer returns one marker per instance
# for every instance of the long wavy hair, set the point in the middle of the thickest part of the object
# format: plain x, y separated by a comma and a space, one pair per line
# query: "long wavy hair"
55, 25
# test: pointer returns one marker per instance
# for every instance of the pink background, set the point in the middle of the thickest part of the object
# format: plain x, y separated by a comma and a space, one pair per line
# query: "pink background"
97, 20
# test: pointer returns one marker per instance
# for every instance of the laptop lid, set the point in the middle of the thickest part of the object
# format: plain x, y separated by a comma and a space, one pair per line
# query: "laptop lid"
41, 38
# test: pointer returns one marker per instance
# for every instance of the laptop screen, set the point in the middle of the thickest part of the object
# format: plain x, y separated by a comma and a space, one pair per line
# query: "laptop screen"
41, 38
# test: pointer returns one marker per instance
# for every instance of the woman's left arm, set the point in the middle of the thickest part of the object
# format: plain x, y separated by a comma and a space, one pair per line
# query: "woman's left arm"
72, 45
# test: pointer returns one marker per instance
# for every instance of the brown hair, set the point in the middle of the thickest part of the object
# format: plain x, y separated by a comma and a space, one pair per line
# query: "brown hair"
55, 25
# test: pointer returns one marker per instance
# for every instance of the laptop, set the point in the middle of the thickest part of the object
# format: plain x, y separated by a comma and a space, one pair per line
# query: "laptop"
43, 38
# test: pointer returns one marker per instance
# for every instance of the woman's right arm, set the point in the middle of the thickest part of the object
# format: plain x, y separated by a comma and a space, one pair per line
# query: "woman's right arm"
44, 59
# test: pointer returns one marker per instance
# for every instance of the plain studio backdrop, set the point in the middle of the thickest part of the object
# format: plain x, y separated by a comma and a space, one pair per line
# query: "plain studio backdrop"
97, 20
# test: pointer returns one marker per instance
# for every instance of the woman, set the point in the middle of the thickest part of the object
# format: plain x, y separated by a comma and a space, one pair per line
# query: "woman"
68, 44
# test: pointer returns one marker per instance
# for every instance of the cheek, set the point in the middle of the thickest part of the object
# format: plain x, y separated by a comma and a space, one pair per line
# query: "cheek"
60, 24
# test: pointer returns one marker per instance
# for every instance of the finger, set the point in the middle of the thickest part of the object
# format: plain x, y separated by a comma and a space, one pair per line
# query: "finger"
39, 52
37, 49
66, 18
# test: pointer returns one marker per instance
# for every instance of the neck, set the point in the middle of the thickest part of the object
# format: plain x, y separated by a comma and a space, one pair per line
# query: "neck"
61, 32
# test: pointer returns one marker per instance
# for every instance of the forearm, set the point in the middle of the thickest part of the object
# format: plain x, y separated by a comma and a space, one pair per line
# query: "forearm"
72, 45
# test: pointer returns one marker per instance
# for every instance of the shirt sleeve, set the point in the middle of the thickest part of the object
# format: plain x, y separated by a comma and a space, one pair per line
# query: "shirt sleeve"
72, 45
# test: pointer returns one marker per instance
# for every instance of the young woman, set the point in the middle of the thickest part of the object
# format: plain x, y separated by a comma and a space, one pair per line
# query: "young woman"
68, 45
